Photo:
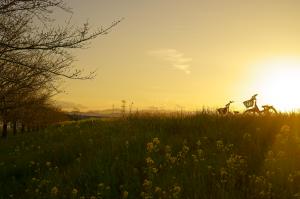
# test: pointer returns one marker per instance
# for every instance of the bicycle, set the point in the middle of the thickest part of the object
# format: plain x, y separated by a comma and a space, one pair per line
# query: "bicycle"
224, 110
252, 107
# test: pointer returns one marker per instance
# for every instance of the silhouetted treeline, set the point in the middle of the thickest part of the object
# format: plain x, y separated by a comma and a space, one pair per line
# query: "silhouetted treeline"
34, 56
31, 117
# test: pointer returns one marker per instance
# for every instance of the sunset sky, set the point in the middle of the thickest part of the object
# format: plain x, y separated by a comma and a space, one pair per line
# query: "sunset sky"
189, 54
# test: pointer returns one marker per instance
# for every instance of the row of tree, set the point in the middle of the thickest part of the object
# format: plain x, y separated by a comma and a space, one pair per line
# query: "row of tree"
34, 56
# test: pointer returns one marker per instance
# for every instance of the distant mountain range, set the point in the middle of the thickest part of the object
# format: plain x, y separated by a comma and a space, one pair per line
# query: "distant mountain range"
77, 111
97, 113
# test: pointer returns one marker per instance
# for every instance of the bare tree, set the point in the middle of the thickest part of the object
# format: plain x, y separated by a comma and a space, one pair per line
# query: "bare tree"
19, 36
35, 52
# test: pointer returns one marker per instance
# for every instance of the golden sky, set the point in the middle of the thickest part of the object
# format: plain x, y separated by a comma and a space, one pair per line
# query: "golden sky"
191, 53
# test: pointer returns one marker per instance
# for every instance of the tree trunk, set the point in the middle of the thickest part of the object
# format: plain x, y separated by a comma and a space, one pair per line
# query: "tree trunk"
14, 127
23, 128
4, 129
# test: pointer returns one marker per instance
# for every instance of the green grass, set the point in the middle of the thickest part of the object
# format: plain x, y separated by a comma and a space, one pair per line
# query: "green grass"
156, 156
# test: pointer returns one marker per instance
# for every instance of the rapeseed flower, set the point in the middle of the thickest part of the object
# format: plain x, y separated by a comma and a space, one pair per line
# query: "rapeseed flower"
149, 161
54, 191
156, 141
157, 189
74, 191
147, 183
150, 147
125, 195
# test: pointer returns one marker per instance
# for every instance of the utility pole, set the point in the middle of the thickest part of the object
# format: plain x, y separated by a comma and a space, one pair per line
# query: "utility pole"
130, 107
123, 107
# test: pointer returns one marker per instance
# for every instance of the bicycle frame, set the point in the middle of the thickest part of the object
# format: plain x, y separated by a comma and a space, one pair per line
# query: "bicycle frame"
224, 110
254, 109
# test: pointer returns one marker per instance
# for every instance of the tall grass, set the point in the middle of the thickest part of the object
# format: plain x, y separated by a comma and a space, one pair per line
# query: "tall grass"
156, 156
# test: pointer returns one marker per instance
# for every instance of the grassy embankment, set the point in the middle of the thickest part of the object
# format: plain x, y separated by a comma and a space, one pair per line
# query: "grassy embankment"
156, 156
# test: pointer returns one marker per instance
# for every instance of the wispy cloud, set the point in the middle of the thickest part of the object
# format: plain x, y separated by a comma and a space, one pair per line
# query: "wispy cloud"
174, 57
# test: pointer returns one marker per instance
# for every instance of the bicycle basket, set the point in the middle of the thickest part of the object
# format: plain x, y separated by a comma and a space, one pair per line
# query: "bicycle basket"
248, 103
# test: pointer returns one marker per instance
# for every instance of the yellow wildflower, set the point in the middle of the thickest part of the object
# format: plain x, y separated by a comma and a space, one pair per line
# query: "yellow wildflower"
157, 190
125, 195
177, 189
220, 145
147, 183
172, 160
54, 191
223, 171
74, 191
200, 154
185, 149
149, 161
156, 141
150, 147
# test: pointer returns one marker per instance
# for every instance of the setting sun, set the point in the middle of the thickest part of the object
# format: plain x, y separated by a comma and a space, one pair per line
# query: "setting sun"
277, 83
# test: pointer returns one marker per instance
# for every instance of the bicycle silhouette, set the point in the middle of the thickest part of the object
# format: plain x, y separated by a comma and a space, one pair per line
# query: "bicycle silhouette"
224, 110
252, 107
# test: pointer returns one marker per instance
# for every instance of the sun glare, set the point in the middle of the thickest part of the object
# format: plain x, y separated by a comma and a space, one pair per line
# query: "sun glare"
278, 83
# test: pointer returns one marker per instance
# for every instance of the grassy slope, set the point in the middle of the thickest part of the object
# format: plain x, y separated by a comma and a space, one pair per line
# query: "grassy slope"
194, 156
